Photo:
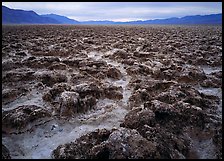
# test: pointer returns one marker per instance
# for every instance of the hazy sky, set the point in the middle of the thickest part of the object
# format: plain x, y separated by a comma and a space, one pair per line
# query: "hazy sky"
119, 11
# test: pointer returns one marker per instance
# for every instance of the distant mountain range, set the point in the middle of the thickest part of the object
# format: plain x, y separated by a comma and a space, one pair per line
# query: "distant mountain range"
61, 19
11, 16
15, 16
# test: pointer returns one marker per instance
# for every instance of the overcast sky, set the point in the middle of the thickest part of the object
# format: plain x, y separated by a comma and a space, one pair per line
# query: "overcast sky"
119, 11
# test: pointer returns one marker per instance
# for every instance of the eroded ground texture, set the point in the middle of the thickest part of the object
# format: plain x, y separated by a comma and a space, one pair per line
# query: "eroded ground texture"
112, 92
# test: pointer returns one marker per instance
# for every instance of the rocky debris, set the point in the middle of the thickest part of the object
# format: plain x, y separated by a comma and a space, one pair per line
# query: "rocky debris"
191, 74
137, 69
57, 66
187, 94
120, 53
87, 103
139, 96
194, 97
132, 70
200, 61
10, 65
160, 85
88, 89
9, 95
18, 76
51, 53
169, 145
170, 92
81, 147
217, 74
80, 47
104, 144
87, 78
113, 73
88, 41
144, 70
143, 55
138, 117
167, 121
128, 144
212, 82
165, 75
170, 96
145, 90
55, 91
5, 153
112, 92
183, 114
93, 71
128, 61
50, 78
71, 61
42, 62
21, 116
21, 53
155, 122
188, 74
150, 48
100, 75
69, 103
89, 70
90, 63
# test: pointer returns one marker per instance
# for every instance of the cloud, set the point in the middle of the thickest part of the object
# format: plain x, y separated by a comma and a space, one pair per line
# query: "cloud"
119, 10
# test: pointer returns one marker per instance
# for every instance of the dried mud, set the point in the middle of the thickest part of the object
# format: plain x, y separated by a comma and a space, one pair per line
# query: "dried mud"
112, 92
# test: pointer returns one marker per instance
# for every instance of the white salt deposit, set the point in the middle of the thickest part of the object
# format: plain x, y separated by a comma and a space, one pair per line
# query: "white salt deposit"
44, 138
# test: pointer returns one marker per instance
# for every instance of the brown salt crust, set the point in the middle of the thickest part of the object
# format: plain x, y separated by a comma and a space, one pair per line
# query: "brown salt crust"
161, 68
114, 144
21, 116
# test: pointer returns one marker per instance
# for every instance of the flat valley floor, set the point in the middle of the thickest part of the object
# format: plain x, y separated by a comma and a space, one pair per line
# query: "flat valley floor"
117, 92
